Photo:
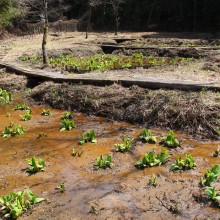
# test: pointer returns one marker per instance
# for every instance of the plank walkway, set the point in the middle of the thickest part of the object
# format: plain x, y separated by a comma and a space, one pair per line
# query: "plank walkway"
109, 48
108, 79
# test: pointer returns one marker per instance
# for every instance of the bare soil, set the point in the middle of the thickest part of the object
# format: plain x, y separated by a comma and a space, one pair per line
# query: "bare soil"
122, 192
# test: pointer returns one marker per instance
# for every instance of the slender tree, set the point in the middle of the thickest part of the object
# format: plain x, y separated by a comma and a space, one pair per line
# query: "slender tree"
116, 6
45, 32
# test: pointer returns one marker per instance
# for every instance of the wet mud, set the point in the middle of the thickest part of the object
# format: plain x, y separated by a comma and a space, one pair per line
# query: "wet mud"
122, 192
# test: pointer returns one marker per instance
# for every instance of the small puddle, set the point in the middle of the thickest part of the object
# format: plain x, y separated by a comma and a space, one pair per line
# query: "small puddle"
124, 187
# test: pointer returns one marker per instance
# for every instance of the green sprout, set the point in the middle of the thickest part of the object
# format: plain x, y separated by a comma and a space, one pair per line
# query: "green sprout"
15, 204
153, 180
88, 137
182, 164
61, 187
12, 130
210, 176
212, 193
125, 146
35, 165
150, 159
103, 162
67, 124
26, 116
146, 136
76, 153
46, 112
170, 140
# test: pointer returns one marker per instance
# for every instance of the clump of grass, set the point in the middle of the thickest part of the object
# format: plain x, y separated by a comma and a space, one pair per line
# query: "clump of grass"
217, 152
153, 180
22, 107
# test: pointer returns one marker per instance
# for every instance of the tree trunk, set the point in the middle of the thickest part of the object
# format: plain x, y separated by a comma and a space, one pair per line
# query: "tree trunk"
45, 33
195, 16
88, 22
151, 13
116, 22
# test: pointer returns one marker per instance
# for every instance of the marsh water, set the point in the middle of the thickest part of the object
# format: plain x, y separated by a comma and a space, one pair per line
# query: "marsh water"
122, 192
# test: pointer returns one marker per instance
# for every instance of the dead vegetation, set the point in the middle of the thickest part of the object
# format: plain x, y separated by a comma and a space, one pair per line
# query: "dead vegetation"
193, 113
189, 112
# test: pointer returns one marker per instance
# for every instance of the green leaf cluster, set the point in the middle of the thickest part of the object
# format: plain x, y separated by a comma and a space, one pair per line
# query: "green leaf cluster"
88, 137
46, 112
147, 137
184, 164
103, 162
13, 130
153, 180
14, 204
35, 165
26, 116
61, 187
125, 146
22, 107
212, 193
150, 159
66, 115
217, 152
76, 153
210, 176
170, 140
5, 96
67, 124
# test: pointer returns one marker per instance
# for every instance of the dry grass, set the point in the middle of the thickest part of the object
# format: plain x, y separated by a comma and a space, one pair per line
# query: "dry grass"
192, 113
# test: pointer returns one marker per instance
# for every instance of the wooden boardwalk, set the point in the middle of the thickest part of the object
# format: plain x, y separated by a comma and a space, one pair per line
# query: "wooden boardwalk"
105, 79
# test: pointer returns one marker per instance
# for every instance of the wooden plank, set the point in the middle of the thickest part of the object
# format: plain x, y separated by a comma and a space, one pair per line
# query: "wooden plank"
151, 83
107, 48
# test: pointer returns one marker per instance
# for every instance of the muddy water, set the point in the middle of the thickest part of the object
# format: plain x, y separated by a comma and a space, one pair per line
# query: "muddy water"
122, 192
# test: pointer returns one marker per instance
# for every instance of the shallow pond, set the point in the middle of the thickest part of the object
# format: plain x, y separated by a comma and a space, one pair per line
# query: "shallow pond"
122, 192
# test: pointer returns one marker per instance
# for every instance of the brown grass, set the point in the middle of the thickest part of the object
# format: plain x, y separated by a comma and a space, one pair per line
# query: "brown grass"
189, 112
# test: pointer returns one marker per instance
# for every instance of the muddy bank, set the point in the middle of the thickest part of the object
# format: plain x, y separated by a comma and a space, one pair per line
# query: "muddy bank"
122, 192
191, 113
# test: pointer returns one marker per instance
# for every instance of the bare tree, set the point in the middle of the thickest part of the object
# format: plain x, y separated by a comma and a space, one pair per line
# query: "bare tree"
89, 14
91, 5
45, 32
116, 6
38, 12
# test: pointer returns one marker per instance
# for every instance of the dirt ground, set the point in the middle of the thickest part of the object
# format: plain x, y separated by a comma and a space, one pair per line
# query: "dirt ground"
122, 192
204, 68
